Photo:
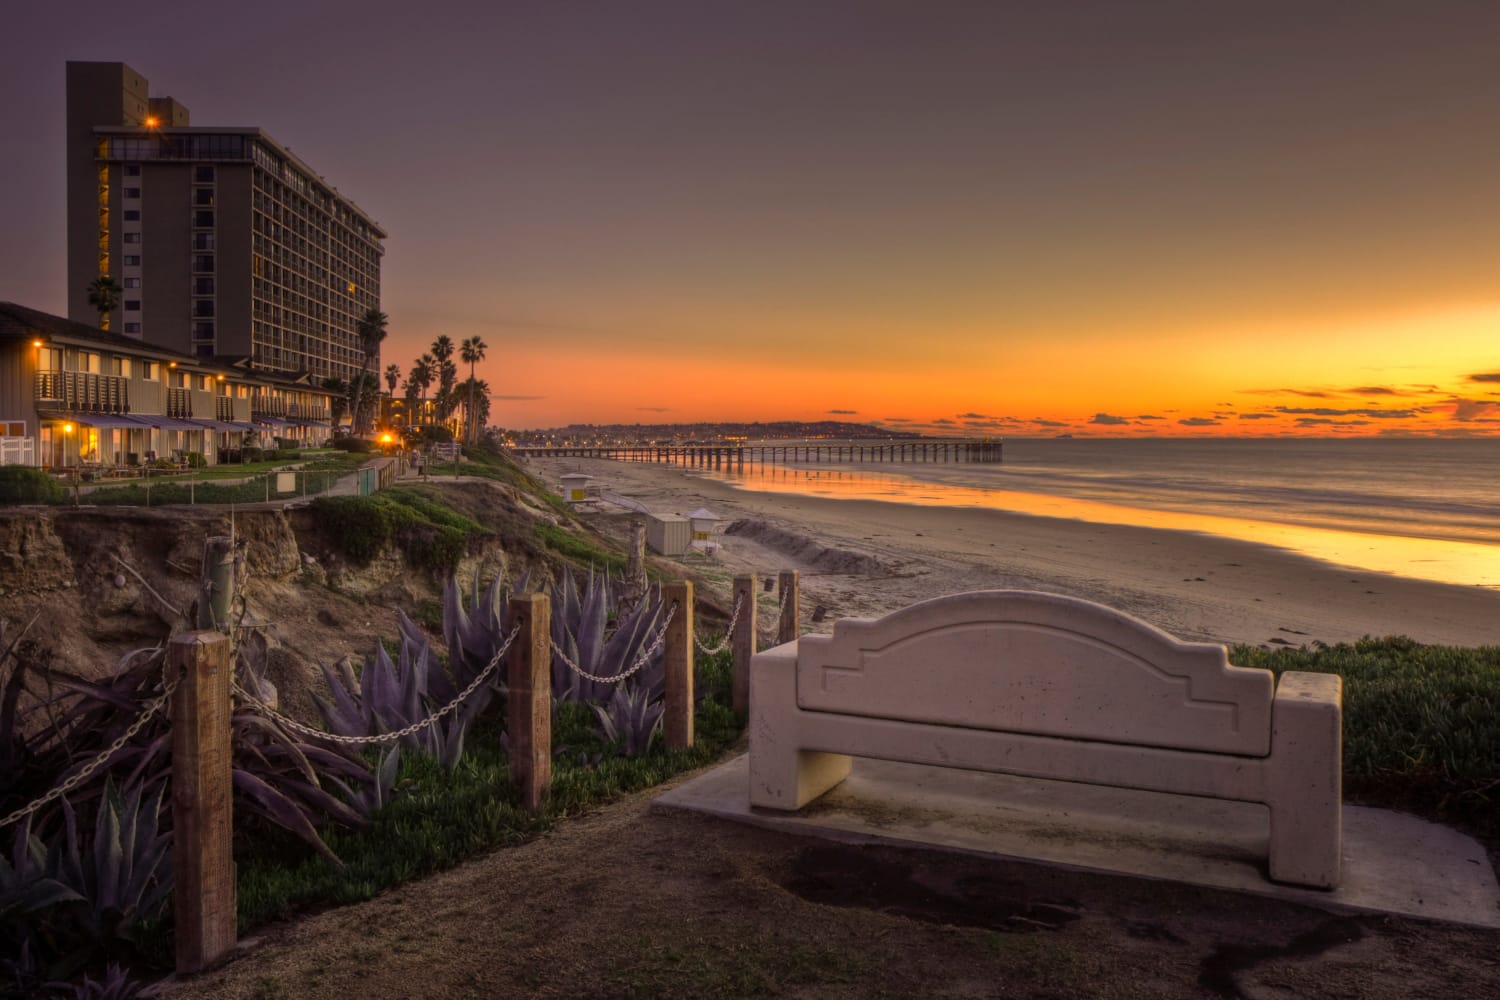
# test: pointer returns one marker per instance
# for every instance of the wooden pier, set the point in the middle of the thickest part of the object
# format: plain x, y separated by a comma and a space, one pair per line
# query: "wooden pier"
737, 456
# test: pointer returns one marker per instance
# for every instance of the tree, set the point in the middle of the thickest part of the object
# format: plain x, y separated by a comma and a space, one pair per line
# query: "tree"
371, 332
447, 375
392, 376
104, 295
479, 393
338, 404
472, 351
420, 378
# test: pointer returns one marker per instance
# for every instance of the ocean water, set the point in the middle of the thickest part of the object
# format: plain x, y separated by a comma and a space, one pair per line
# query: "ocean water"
1423, 508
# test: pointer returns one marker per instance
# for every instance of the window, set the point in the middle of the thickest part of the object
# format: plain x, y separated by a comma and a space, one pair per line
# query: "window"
203, 196
203, 330
132, 328
88, 361
203, 286
203, 263
203, 174
203, 307
132, 215
133, 305
151, 371
203, 219
206, 383
132, 237
132, 192
203, 241
132, 170
15, 428
132, 282
132, 260
120, 366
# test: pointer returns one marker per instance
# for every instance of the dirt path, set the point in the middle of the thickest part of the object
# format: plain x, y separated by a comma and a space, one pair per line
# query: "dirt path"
630, 902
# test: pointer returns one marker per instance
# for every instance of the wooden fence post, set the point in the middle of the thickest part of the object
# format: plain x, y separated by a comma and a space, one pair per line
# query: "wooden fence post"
677, 657
528, 707
743, 640
790, 624
202, 796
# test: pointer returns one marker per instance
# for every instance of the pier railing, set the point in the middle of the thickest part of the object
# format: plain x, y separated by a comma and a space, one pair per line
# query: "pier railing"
712, 456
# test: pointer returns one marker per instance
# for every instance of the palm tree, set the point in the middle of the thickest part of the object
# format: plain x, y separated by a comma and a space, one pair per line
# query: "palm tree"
371, 332
339, 400
104, 295
479, 394
472, 351
420, 376
392, 376
447, 374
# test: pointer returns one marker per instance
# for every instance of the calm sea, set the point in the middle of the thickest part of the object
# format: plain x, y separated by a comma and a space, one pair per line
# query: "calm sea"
1423, 508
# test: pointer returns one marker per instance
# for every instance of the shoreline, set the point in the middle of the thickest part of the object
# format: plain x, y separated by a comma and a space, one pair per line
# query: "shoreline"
866, 558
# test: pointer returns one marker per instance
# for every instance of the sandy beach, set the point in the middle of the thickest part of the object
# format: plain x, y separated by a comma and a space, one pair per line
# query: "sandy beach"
861, 558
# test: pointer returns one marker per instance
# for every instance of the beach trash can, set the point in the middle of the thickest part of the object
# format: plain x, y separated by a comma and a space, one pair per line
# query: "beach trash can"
668, 534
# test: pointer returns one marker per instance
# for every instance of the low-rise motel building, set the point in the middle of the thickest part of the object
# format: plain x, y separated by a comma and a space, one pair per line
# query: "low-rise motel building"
73, 396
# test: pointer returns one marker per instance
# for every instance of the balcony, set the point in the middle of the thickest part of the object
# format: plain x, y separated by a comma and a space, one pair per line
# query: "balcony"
180, 403
82, 392
309, 411
268, 406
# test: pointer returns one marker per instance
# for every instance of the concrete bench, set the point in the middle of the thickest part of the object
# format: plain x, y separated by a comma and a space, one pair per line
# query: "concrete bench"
1053, 687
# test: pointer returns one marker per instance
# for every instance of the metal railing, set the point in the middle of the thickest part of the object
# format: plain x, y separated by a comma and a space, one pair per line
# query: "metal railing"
83, 391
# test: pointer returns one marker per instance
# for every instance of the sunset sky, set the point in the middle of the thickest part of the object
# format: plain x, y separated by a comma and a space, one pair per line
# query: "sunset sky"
979, 218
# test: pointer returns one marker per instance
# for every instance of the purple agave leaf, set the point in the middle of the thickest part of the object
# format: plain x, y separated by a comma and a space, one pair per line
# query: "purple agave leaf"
266, 801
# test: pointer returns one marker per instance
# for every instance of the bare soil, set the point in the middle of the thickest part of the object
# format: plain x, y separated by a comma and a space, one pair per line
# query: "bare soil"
627, 901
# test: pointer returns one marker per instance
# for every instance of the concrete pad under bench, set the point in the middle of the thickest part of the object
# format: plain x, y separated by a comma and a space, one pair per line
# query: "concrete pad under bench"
1392, 862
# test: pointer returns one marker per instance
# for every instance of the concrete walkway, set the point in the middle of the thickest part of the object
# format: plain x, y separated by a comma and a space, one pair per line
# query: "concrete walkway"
1392, 862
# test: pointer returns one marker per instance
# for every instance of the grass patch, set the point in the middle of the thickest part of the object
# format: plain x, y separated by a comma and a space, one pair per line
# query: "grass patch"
577, 549
1421, 724
440, 818
429, 533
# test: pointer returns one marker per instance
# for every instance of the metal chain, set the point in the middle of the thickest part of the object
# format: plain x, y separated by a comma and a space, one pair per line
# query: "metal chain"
390, 737
739, 600
640, 661
73, 782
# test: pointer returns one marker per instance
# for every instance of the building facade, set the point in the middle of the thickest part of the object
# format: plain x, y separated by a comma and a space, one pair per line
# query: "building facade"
224, 244
75, 396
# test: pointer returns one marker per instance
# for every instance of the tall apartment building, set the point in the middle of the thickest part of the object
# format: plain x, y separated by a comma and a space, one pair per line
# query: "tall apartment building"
225, 244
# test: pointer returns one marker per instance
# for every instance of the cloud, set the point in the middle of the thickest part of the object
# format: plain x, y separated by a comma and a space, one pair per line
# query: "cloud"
898, 420
1309, 393
944, 421
1048, 423
1109, 420
1149, 416
976, 416
1475, 410
1485, 377
1198, 422
844, 412
655, 409
1329, 421
1325, 411
1373, 390
1257, 416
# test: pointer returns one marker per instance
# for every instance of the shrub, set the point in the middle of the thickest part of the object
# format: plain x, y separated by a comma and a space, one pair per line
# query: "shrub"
194, 459
23, 484
358, 446
252, 454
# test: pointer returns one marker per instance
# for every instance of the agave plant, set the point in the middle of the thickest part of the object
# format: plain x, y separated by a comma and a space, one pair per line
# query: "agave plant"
390, 695
630, 718
581, 630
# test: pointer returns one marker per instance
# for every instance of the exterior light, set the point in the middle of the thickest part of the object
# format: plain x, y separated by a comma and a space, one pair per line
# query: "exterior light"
36, 343
67, 428
152, 121
221, 378
171, 364
385, 439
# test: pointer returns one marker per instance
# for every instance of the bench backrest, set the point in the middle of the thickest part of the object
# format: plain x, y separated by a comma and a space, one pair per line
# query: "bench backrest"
1026, 662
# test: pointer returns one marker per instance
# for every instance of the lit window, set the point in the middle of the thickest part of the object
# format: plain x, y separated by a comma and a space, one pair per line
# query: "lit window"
151, 371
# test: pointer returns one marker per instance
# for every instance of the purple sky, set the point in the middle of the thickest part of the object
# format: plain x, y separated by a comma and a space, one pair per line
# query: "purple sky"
961, 196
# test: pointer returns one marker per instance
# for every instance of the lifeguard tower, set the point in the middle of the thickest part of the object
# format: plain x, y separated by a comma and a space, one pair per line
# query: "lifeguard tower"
703, 521
575, 486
